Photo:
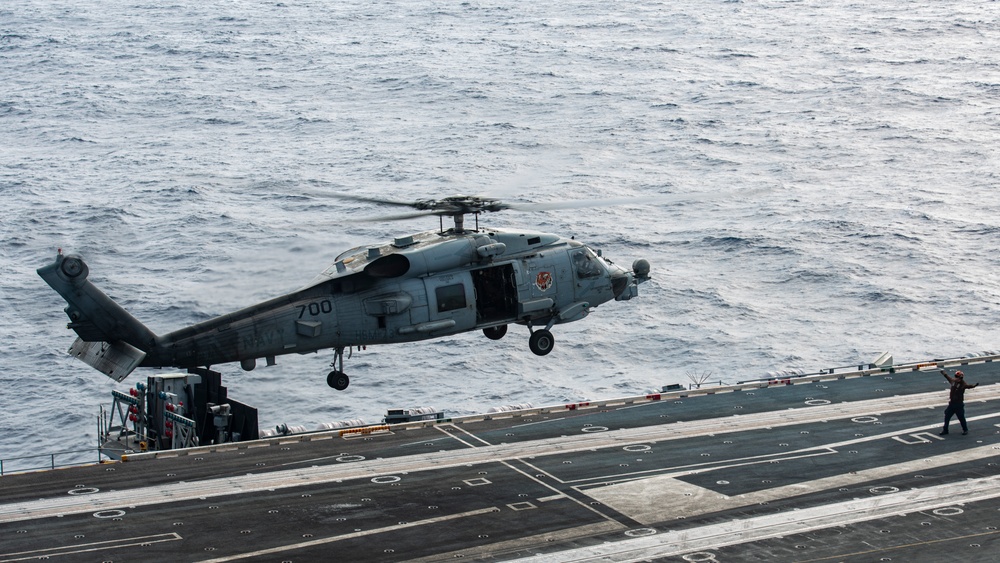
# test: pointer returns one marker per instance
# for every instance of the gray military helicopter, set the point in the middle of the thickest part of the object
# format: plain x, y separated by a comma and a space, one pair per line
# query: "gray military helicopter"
416, 287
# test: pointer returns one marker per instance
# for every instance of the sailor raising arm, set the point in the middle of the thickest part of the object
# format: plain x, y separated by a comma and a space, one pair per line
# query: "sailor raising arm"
956, 400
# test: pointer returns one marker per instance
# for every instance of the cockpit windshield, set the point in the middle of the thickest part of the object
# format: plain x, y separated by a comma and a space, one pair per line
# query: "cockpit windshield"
587, 264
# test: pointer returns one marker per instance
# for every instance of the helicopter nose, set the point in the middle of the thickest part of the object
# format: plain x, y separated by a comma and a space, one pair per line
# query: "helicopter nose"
619, 281
625, 284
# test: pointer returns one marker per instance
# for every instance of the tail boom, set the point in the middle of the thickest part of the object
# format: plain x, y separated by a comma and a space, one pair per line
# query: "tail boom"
110, 339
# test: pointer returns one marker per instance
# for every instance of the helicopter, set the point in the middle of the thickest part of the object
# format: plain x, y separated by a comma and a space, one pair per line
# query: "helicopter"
415, 287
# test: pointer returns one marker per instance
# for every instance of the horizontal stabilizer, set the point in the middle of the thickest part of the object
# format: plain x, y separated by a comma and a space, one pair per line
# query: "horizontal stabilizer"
114, 359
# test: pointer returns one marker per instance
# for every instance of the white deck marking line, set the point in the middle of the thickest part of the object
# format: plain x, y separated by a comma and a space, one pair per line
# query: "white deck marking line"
454, 437
656, 499
897, 547
334, 539
422, 442
790, 522
469, 434
639, 406
36, 554
366, 469
497, 550
585, 484
536, 422
561, 494
912, 430
812, 451
313, 460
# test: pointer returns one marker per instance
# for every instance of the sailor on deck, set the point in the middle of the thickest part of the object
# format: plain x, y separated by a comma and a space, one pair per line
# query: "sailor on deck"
956, 400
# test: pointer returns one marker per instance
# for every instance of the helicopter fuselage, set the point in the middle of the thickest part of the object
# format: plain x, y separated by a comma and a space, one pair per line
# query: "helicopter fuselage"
427, 285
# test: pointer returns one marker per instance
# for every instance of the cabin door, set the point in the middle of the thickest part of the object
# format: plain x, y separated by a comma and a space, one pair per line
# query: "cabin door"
496, 294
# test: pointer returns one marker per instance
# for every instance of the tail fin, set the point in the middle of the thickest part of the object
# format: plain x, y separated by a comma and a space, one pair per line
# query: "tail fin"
110, 339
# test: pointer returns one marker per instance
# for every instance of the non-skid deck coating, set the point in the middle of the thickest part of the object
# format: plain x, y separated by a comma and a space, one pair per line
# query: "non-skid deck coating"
837, 470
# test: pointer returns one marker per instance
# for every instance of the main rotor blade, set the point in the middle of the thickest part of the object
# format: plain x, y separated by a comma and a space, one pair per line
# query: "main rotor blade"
400, 217
574, 204
655, 200
461, 205
368, 199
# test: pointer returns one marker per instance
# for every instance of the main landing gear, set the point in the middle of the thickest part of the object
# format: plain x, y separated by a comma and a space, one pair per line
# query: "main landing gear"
337, 378
541, 341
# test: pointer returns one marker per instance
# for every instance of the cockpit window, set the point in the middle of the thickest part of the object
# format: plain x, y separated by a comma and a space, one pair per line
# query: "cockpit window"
586, 263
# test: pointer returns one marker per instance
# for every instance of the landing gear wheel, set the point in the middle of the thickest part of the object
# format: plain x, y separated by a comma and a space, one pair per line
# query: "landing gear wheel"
541, 342
495, 332
338, 380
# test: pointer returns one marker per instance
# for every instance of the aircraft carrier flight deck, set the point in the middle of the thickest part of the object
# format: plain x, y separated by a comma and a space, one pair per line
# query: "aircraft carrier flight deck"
843, 466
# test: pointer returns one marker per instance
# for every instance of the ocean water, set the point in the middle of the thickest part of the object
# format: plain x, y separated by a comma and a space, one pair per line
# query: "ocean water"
834, 165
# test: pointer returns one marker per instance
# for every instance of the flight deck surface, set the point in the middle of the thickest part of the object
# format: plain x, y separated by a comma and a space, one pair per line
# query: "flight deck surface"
838, 469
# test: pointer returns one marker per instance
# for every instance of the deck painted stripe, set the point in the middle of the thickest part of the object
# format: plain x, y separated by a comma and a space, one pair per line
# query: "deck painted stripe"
791, 522
353, 535
45, 553
648, 500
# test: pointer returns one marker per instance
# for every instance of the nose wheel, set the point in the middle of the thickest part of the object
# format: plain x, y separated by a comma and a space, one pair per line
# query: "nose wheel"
541, 342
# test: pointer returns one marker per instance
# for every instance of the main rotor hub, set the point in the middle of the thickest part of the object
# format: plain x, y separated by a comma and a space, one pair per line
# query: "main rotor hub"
458, 206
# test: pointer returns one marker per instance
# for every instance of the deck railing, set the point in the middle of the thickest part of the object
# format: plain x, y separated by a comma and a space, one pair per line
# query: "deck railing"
54, 460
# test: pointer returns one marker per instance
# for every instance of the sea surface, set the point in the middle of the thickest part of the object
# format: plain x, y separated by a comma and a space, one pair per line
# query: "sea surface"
833, 169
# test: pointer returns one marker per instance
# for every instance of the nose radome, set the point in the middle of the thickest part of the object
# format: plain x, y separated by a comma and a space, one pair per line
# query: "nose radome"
619, 280
641, 268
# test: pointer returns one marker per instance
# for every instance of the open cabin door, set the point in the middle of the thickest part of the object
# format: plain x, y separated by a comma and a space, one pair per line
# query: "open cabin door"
496, 294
